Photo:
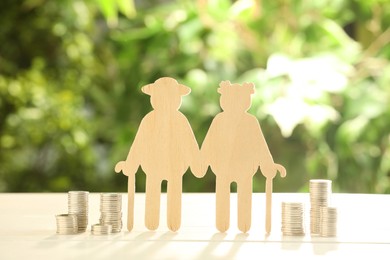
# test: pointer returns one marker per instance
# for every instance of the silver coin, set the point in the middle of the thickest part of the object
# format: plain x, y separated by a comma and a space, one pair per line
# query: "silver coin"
111, 211
66, 224
99, 229
78, 205
292, 219
320, 196
328, 222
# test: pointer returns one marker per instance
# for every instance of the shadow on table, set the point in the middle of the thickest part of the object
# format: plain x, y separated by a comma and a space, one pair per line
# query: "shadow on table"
55, 240
48, 242
322, 246
149, 244
291, 242
229, 248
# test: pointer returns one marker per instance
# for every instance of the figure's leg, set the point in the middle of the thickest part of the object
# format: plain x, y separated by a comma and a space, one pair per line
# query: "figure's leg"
222, 190
174, 191
130, 201
152, 204
244, 190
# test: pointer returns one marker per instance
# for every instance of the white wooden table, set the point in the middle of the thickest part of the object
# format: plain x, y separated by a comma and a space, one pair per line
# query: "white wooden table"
28, 230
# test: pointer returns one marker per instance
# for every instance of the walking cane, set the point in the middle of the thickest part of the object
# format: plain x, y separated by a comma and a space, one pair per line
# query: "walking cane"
268, 192
120, 166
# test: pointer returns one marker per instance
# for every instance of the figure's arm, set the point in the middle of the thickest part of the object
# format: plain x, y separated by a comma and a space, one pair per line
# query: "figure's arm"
207, 146
265, 154
132, 163
267, 165
194, 153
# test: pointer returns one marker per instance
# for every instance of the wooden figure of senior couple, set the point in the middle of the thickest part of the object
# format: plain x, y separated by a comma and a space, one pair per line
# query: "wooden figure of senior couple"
165, 146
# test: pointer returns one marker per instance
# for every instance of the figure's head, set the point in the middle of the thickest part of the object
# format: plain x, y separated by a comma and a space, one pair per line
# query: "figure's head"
165, 93
235, 97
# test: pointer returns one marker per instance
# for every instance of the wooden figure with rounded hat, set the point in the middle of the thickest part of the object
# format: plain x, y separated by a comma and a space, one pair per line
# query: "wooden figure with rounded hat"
235, 148
164, 147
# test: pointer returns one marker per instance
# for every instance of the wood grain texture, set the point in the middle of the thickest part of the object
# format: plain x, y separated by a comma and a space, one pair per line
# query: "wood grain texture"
130, 201
164, 147
235, 148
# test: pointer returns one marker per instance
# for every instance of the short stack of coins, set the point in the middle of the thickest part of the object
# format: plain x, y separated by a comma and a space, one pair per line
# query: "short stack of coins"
66, 224
100, 229
78, 205
320, 192
111, 210
292, 219
328, 221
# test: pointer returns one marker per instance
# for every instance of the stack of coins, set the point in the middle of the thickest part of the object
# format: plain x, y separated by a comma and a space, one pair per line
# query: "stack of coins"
292, 219
66, 224
78, 205
100, 229
328, 221
320, 192
111, 210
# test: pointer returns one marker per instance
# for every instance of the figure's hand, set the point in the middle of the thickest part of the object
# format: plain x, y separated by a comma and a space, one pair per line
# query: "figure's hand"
199, 170
119, 166
198, 164
125, 168
271, 171
281, 169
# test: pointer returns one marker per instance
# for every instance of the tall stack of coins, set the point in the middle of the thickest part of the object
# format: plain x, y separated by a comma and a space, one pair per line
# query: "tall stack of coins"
111, 210
66, 224
328, 221
320, 192
78, 205
292, 219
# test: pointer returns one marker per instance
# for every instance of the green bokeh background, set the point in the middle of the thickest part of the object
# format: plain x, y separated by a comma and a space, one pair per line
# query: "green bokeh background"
71, 73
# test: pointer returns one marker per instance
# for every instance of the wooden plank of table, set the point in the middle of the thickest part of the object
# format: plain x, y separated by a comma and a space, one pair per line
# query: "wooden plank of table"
27, 227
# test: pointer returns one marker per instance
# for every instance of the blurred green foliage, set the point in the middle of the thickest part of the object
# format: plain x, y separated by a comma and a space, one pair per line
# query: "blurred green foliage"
71, 72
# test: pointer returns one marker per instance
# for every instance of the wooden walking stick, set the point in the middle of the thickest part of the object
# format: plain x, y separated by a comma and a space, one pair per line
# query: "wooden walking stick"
130, 201
120, 166
268, 193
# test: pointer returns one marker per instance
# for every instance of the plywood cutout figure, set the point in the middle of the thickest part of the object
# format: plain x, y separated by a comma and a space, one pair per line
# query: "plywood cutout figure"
235, 148
164, 147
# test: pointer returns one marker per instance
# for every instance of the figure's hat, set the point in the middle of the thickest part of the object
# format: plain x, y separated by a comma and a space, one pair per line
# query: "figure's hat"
166, 84
227, 85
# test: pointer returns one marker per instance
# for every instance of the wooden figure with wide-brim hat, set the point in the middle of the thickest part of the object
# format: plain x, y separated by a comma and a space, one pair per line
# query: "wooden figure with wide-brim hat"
235, 148
164, 147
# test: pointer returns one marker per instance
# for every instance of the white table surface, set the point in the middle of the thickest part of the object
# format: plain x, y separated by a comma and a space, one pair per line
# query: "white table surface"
28, 230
